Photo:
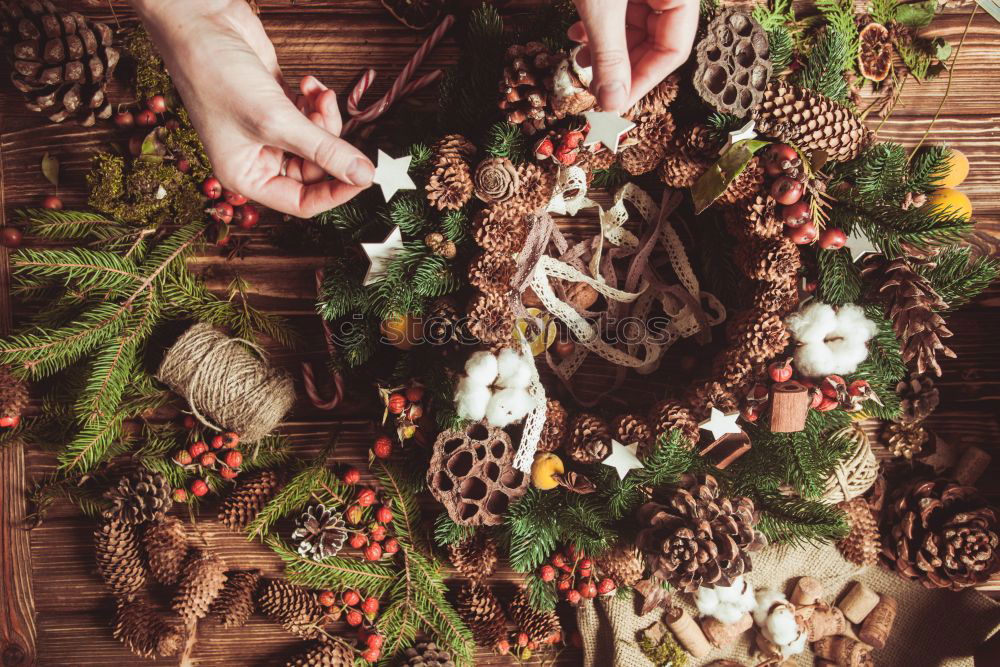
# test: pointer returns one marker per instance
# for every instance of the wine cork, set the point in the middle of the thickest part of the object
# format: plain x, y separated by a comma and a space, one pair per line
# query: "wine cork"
808, 590
722, 634
844, 651
789, 407
878, 624
688, 633
824, 622
971, 465
858, 602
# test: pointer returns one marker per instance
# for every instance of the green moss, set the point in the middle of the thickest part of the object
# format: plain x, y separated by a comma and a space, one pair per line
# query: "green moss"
151, 77
667, 653
133, 194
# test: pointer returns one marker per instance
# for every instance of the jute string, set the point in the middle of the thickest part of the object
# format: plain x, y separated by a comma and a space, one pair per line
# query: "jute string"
227, 387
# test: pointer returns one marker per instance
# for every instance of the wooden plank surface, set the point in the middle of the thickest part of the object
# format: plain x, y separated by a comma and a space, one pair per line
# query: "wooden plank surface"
53, 585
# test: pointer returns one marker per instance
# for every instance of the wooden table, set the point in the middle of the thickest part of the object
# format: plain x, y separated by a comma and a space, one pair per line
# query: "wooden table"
56, 611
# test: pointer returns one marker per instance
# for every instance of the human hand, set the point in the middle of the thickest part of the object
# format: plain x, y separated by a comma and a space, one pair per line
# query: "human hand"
227, 73
633, 45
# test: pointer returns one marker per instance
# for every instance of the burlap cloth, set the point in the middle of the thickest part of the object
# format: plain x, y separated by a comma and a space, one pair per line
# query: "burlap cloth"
932, 627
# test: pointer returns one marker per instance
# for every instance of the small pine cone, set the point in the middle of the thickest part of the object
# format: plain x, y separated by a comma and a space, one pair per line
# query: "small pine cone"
555, 428
624, 564
427, 654
713, 394
492, 272
763, 337
653, 138
452, 149
680, 171
140, 496
247, 499
769, 260
906, 439
535, 190
591, 162
589, 439
235, 603
540, 626
294, 607
325, 654
449, 187
490, 318
495, 230
141, 629
13, 393
918, 397
479, 608
698, 142
757, 219
778, 297
119, 559
745, 186
669, 415
204, 579
735, 370
657, 101
476, 557
863, 544
631, 428
166, 548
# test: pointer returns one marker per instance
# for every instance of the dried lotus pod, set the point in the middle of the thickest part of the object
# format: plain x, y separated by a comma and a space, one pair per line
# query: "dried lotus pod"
734, 63
472, 474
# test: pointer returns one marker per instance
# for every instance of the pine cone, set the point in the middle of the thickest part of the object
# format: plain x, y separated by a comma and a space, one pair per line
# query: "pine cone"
496, 180
668, 415
624, 564
235, 604
779, 297
449, 187
116, 544
204, 577
427, 654
769, 260
680, 171
325, 654
811, 122
166, 548
555, 428
589, 439
863, 543
698, 538
632, 428
698, 142
736, 369
757, 219
536, 185
62, 60
495, 230
320, 532
13, 394
657, 101
490, 318
711, 394
453, 149
492, 272
906, 439
651, 144
476, 557
746, 186
918, 397
141, 629
247, 499
761, 337
540, 87
140, 496
540, 626
441, 324
294, 607
482, 613
941, 534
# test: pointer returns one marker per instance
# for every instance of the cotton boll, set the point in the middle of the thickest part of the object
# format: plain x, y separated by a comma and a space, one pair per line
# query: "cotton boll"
765, 599
471, 399
748, 601
830, 341
815, 360
730, 594
852, 323
481, 368
707, 601
798, 645
729, 613
507, 406
513, 370
812, 323
781, 627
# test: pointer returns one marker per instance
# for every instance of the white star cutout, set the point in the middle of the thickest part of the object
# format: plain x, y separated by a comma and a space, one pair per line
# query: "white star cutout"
720, 423
736, 136
391, 174
606, 128
380, 254
860, 245
623, 458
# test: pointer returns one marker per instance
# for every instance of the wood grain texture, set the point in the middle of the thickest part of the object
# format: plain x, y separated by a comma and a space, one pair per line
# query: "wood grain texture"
54, 584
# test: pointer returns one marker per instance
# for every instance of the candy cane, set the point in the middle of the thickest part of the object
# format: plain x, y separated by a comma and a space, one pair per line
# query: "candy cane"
309, 378
401, 87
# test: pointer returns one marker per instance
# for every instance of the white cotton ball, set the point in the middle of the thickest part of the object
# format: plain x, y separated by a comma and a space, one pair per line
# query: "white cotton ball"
830, 341
707, 600
730, 593
507, 406
513, 370
729, 613
798, 645
765, 599
471, 399
748, 601
782, 628
815, 360
812, 323
481, 367
851, 322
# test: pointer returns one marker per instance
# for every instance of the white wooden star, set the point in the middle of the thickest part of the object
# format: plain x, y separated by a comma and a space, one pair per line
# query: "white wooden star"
860, 245
623, 458
606, 128
391, 174
380, 254
736, 136
719, 423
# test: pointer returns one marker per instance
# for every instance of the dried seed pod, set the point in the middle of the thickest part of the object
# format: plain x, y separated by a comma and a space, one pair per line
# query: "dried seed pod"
734, 63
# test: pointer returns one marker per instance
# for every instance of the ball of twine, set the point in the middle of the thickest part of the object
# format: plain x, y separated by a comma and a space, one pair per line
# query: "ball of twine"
225, 385
855, 474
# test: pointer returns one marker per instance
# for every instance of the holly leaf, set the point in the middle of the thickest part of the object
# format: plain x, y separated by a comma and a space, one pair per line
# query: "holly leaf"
917, 14
50, 169
717, 178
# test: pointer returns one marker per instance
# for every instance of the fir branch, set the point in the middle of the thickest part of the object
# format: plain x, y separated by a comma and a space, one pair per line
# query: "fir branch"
95, 442
405, 510
839, 276
533, 528
292, 498
455, 225
336, 572
611, 178
409, 211
84, 269
507, 140
883, 11
540, 594
795, 521
957, 277
69, 225
782, 48
927, 168
823, 71
447, 532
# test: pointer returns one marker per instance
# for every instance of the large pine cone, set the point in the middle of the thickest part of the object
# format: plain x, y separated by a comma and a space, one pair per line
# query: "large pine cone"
624, 564
492, 272
247, 499
494, 229
479, 608
140, 496
698, 538
294, 607
649, 144
235, 603
657, 101
540, 626
140, 628
325, 654
668, 415
941, 534
320, 532
452, 149
680, 171
589, 439
449, 187
490, 318
62, 60
13, 394
555, 428
427, 654
476, 557
166, 550
203, 580
118, 556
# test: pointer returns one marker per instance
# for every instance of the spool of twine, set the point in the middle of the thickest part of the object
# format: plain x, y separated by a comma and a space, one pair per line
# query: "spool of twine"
227, 386
855, 474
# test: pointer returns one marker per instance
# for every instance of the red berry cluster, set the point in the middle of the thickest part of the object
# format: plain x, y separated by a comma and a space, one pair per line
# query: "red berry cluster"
831, 393
370, 517
228, 207
561, 146
7, 421
574, 576
357, 612
406, 405
783, 164
222, 456
153, 115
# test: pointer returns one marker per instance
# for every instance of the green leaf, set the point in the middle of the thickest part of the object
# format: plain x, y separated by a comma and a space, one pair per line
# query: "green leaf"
50, 169
917, 14
717, 178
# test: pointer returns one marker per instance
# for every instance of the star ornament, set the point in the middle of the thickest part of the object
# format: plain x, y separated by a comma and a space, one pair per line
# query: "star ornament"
860, 245
736, 136
720, 424
623, 458
391, 176
606, 128
380, 254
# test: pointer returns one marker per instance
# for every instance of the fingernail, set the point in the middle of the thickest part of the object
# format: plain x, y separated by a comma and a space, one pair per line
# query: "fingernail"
612, 95
361, 172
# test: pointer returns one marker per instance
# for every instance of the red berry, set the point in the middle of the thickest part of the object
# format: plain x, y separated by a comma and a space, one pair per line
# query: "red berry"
374, 641
383, 514
212, 188
858, 388
544, 148
180, 496
796, 214
221, 212
396, 403
199, 487
183, 165
366, 497
826, 404
573, 597
197, 448
415, 412
774, 156
503, 647
373, 551
229, 473
585, 564
189, 422
233, 459
370, 606
377, 532
145, 118
157, 104
184, 457
751, 413
246, 216
351, 475
10, 237
382, 447
558, 559
326, 598
786, 190
207, 459
584, 572
606, 586
803, 234
173, 124
415, 393
371, 655
52, 203
832, 238
587, 589
390, 546
573, 139
780, 371
350, 597
354, 617
358, 541
218, 442
522, 639
354, 514
124, 119
233, 198
547, 573
565, 583
832, 386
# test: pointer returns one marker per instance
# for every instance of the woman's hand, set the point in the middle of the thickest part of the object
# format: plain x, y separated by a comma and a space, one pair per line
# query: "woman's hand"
227, 73
633, 44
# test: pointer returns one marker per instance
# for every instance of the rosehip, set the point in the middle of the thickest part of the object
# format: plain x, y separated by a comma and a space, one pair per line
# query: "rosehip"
230, 439
544, 148
415, 411
832, 238
371, 655
383, 514
390, 546
358, 541
180, 496
246, 216
326, 598
373, 551
547, 573
858, 388
212, 188
199, 487
382, 447
197, 448
366, 497
124, 119
522, 639
751, 413
10, 237
354, 617
796, 214
396, 403
774, 156
786, 190
350, 597
184, 457
229, 473
587, 589
558, 560
157, 104
233, 459
218, 442
831, 386
370, 606
207, 459
10, 422
145, 118
374, 641
233, 198
351, 475
52, 203
354, 514
377, 533
803, 234
415, 393
827, 404
503, 647
573, 597
564, 584
780, 371
606, 586
221, 212
189, 423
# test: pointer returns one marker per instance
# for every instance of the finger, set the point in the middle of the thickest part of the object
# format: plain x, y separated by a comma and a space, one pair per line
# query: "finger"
604, 21
326, 105
289, 196
577, 32
312, 172
633, 38
293, 132
671, 36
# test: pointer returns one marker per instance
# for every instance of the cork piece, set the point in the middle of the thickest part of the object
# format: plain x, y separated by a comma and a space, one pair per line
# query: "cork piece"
726, 449
825, 622
858, 602
844, 651
789, 407
722, 634
734, 63
688, 633
971, 465
472, 474
878, 624
808, 591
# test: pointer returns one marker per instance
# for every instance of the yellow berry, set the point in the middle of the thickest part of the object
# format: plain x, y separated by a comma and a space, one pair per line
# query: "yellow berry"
402, 331
954, 170
951, 201
545, 469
